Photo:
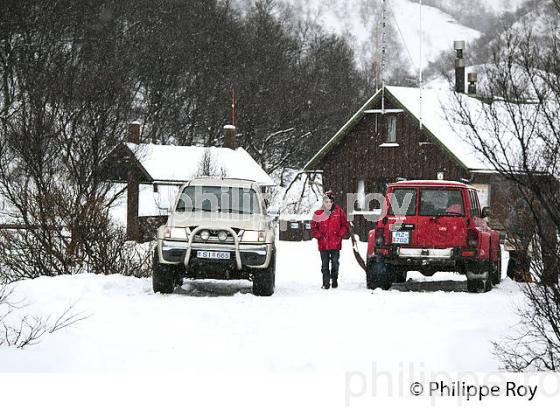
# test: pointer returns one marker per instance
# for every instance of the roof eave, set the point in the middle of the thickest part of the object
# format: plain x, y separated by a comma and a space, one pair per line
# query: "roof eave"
429, 132
340, 133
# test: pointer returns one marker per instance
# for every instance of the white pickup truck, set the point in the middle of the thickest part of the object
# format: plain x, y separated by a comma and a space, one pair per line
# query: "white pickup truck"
218, 228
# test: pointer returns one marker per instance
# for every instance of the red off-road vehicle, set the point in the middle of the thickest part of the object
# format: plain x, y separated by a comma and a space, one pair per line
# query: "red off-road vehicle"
432, 226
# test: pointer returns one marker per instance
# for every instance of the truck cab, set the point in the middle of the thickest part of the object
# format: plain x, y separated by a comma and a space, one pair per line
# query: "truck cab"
431, 226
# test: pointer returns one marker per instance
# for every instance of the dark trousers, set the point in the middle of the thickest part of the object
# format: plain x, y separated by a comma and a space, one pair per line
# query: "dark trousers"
332, 271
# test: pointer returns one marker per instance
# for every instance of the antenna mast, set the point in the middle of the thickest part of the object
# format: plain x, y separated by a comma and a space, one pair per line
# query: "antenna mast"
383, 29
420, 79
233, 107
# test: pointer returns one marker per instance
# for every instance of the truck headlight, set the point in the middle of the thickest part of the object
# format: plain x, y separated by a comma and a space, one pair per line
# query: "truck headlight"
204, 235
222, 236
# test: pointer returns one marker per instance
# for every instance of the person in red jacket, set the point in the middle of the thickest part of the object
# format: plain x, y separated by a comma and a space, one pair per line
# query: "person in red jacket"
329, 225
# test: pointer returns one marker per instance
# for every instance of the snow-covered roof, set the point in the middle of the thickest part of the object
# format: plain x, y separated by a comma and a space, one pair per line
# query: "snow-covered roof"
183, 163
437, 118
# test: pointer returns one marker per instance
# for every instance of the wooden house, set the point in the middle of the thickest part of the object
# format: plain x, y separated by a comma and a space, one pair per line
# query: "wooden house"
394, 135
150, 174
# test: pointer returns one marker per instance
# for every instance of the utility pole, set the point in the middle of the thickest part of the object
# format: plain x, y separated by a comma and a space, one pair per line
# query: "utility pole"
383, 33
420, 78
233, 113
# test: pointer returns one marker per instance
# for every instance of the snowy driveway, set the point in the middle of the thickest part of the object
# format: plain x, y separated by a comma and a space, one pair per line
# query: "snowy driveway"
221, 326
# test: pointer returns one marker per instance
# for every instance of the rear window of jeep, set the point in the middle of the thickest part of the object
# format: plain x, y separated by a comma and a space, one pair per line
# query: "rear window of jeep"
438, 202
403, 202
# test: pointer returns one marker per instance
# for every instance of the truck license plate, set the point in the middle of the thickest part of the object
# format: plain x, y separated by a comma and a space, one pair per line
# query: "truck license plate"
212, 255
401, 237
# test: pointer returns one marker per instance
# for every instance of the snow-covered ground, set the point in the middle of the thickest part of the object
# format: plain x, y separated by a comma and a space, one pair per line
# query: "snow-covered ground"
221, 326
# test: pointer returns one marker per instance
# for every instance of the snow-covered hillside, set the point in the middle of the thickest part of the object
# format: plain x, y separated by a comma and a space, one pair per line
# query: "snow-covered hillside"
496, 6
439, 30
220, 326
360, 20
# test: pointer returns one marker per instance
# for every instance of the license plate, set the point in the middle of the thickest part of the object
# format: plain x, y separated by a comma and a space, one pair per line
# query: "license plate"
401, 237
212, 255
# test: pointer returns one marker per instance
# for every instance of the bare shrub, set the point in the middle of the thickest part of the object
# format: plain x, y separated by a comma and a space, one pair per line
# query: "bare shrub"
21, 331
535, 343
113, 253
516, 128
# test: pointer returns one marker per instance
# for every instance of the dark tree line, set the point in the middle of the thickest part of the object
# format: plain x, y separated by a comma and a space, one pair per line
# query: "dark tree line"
73, 73
291, 91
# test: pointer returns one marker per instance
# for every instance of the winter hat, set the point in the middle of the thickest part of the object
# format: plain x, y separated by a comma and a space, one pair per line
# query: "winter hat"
329, 195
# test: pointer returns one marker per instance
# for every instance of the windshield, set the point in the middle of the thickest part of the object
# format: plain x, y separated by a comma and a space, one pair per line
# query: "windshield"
219, 199
438, 202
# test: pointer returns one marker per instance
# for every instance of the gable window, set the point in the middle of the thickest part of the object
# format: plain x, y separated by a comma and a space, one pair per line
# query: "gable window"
391, 129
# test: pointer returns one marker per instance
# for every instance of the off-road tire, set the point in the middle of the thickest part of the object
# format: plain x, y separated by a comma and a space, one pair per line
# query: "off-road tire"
473, 285
377, 279
370, 279
164, 277
264, 280
497, 270
480, 285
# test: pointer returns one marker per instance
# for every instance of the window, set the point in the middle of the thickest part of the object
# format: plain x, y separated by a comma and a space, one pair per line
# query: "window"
439, 202
483, 191
392, 129
219, 199
475, 208
401, 198
361, 195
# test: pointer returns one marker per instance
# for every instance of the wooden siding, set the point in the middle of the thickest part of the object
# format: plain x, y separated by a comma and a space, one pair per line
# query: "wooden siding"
359, 155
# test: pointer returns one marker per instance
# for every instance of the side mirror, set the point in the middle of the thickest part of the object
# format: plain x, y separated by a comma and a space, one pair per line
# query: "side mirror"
163, 204
485, 212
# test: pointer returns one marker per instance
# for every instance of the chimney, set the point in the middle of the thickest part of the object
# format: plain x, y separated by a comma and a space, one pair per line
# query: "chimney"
229, 137
134, 132
472, 78
459, 47
133, 188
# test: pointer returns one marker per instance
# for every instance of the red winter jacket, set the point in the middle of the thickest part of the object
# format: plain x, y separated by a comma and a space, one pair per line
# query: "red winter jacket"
329, 229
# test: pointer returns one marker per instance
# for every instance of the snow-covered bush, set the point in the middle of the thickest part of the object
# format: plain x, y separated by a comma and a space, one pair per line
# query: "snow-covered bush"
112, 253
104, 250
20, 330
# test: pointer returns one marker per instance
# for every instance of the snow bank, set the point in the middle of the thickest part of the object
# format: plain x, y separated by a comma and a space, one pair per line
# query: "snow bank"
220, 326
